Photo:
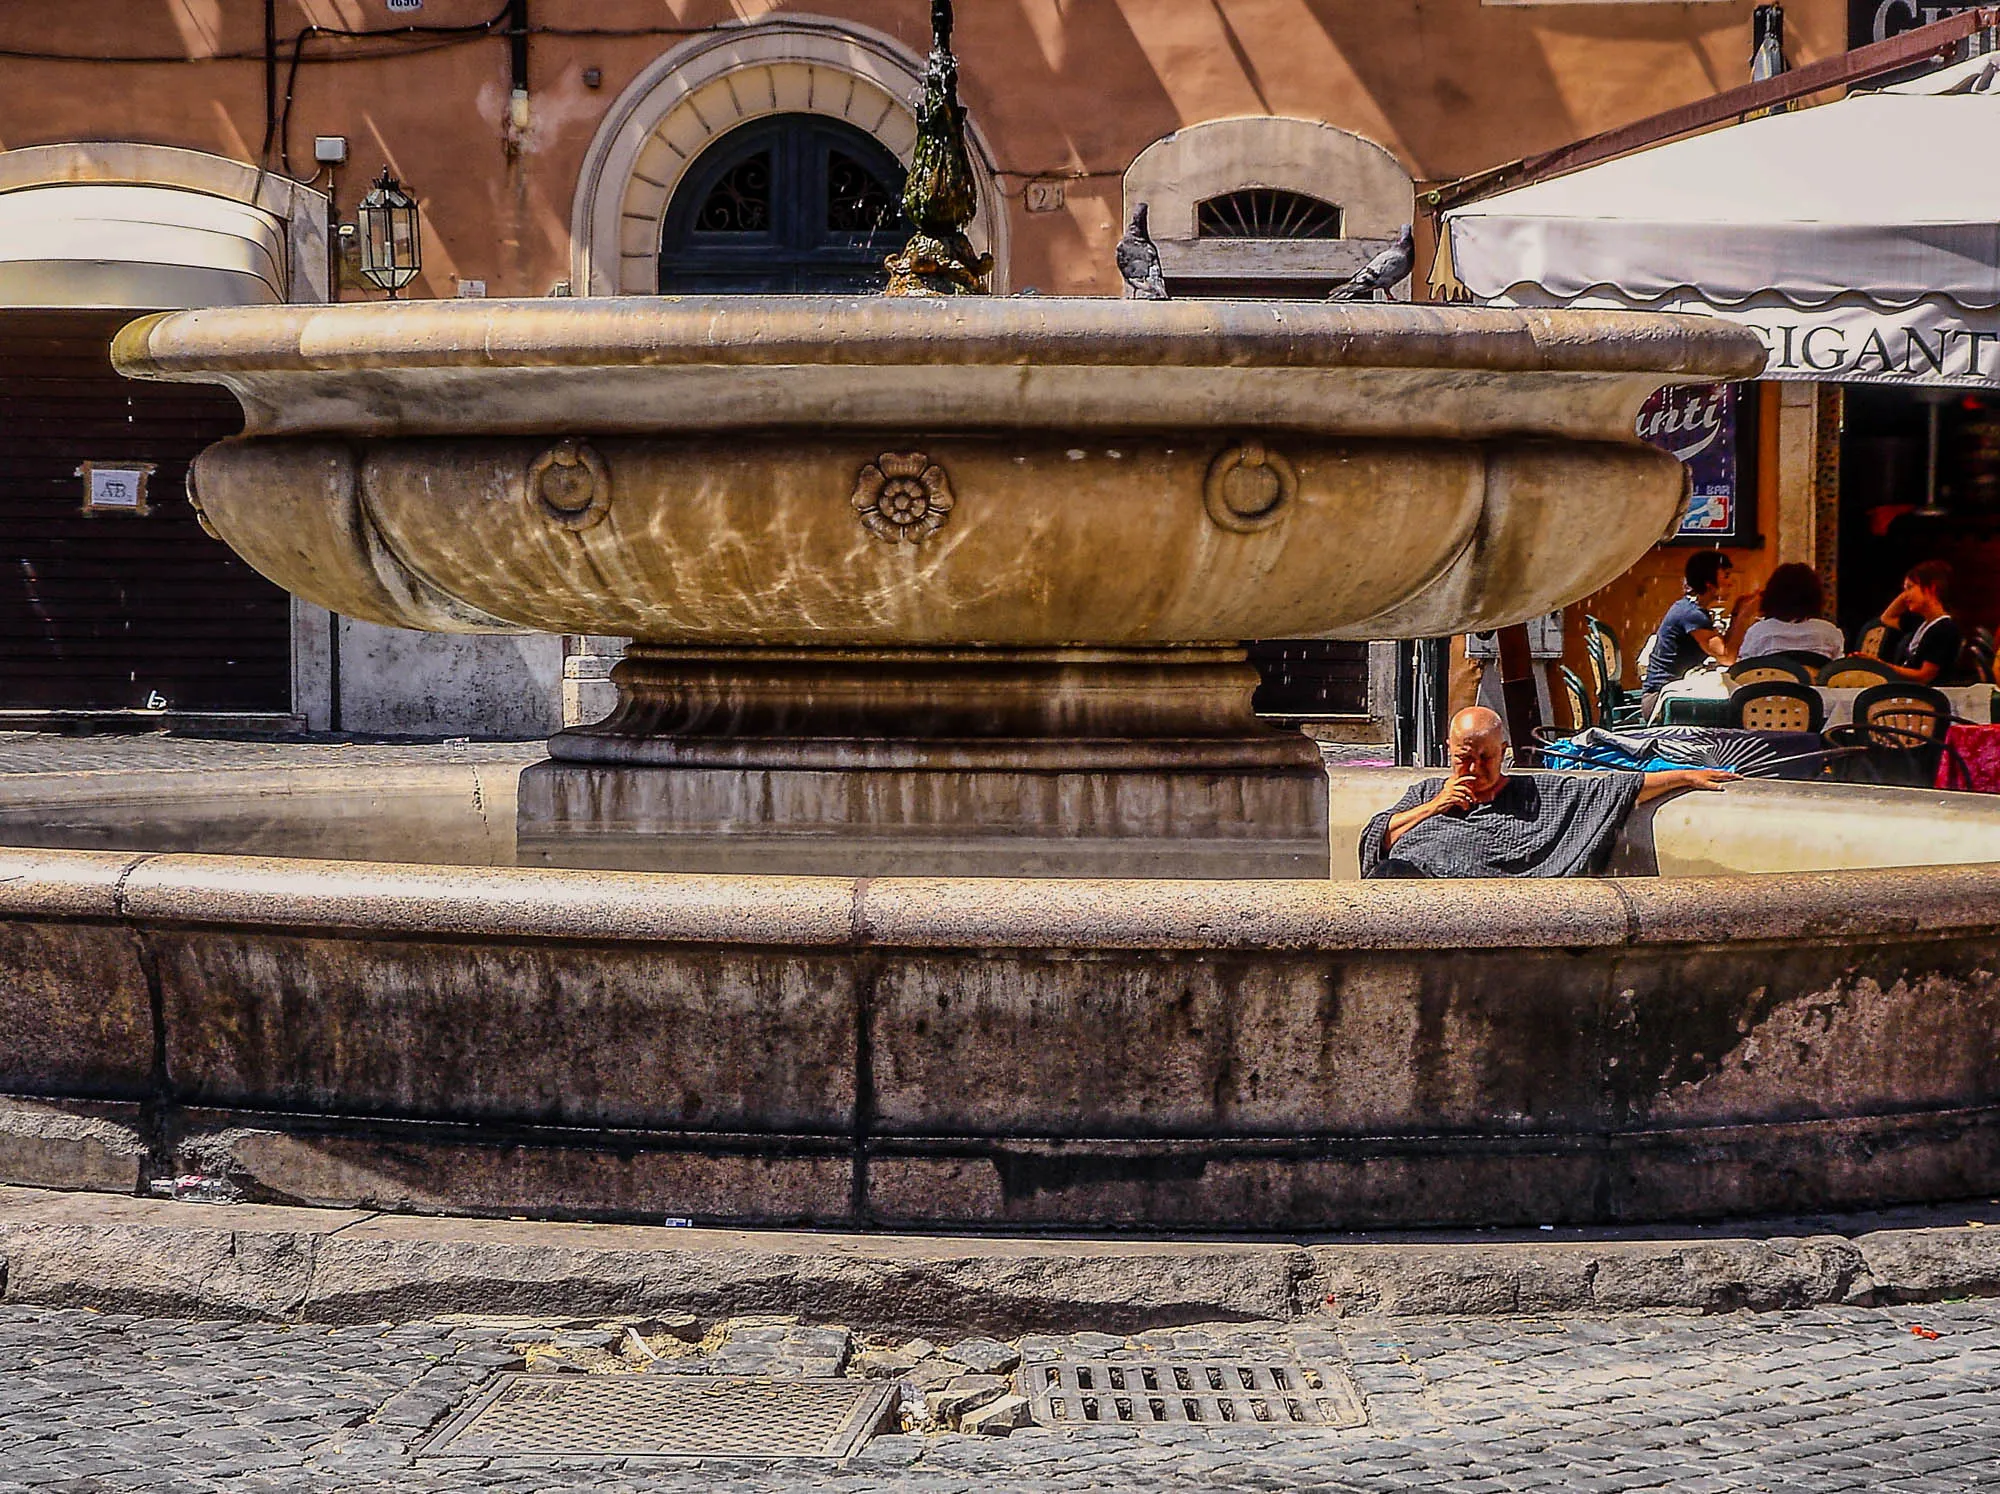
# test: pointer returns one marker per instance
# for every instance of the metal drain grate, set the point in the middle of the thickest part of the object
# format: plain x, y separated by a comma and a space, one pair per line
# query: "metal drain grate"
663, 1416
1217, 1393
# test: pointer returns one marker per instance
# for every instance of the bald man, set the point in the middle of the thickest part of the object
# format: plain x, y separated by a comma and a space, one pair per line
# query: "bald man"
1480, 822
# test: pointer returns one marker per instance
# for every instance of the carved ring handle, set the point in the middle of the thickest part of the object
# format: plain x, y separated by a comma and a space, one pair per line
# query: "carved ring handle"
1249, 487
569, 485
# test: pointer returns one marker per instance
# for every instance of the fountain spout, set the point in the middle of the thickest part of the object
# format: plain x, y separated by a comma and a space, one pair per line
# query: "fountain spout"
939, 195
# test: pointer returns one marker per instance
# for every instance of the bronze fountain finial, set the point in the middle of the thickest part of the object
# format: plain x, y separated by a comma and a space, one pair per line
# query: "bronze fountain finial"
939, 195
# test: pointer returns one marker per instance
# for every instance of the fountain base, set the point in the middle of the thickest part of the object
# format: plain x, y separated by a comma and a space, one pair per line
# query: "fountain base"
936, 762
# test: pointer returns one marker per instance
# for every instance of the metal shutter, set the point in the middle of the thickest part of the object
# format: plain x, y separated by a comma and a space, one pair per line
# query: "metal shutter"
99, 612
1311, 678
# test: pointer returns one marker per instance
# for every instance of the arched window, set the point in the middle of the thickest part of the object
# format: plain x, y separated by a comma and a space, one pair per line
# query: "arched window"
1266, 213
792, 203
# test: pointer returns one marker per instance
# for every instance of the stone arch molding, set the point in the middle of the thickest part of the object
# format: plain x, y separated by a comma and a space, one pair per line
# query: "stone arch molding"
299, 212
709, 84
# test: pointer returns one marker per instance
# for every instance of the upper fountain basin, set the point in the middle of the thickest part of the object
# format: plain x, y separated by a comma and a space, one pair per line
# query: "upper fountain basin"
875, 471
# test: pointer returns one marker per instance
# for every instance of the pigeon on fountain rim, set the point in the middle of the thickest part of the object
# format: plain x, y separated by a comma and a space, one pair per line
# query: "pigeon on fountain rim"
1384, 272
1139, 261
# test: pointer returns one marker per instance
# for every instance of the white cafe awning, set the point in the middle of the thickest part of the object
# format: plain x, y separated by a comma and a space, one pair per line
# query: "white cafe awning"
1861, 238
89, 244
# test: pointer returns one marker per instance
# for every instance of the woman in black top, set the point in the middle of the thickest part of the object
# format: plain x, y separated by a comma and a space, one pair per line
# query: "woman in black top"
1923, 640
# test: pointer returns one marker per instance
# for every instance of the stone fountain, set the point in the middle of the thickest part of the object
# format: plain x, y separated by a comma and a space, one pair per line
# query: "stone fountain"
947, 584
955, 586
935, 582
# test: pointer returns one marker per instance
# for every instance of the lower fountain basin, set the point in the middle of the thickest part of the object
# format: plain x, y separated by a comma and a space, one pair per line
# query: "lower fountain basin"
890, 564
990, 1053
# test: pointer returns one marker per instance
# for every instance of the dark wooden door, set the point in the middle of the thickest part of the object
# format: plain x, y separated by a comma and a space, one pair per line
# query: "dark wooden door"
110, 611
793, 204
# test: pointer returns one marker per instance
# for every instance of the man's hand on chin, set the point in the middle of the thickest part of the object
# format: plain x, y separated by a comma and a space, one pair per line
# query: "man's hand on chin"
1456, 796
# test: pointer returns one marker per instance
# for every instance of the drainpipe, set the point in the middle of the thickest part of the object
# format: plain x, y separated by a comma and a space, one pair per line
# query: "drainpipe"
333, 722
270, 82
517, 97
517, 38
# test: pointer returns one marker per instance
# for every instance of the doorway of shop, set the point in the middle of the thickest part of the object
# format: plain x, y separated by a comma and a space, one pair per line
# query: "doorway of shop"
1920, 480
790, 204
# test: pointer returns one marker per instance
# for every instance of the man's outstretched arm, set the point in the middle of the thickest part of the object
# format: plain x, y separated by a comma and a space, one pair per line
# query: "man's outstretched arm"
1673, 779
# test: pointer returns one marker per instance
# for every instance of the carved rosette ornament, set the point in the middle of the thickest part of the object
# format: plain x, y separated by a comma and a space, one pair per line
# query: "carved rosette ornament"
1249, 487
569, 485
902, 496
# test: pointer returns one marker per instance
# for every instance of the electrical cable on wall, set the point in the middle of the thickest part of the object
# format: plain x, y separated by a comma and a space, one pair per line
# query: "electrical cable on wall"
471, 31
416, 41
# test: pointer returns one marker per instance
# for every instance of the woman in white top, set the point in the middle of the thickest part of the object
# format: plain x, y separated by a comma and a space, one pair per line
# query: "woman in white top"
1790, 623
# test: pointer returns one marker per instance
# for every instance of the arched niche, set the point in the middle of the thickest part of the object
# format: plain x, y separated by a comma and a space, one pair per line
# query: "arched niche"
709, 85
1206, 162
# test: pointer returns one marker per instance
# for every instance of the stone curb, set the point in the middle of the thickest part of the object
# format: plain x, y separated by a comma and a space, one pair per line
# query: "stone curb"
263, 1261
1269, 918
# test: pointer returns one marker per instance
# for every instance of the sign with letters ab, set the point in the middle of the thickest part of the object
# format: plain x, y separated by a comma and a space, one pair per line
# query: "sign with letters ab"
115, 487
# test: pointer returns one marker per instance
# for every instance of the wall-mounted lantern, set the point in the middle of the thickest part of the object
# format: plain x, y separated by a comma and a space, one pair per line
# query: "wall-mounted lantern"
391, 242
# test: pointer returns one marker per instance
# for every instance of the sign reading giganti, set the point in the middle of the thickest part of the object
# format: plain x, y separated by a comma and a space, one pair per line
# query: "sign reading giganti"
1922, 344
1856, 341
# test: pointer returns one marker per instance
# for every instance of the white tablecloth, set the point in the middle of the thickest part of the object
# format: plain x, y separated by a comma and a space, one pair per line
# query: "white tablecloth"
1972, 703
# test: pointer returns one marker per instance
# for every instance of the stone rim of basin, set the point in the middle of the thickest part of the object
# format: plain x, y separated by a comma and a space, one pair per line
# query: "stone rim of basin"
859, 330
1289, 917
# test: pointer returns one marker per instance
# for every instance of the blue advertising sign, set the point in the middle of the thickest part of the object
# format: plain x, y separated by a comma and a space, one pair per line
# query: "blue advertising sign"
1697, 424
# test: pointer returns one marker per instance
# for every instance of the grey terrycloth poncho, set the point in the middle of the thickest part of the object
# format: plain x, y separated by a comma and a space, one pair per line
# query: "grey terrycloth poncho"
1538, 825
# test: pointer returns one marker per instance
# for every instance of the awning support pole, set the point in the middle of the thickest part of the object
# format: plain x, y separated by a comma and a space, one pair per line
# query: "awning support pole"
1518, 697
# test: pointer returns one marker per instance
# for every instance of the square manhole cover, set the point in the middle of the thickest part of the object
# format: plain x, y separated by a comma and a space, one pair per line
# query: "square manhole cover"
1220, 1394
663, 1416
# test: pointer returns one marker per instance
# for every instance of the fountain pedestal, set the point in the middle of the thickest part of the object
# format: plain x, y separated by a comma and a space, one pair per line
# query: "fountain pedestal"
1141, 762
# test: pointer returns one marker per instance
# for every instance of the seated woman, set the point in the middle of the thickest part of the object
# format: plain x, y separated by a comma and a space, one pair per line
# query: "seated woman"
1687, 636
1479, 822
1790, 624
1924, 640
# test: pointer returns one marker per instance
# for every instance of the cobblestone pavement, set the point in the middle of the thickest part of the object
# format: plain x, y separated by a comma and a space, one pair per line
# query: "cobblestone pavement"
1808, 1401
53, 752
